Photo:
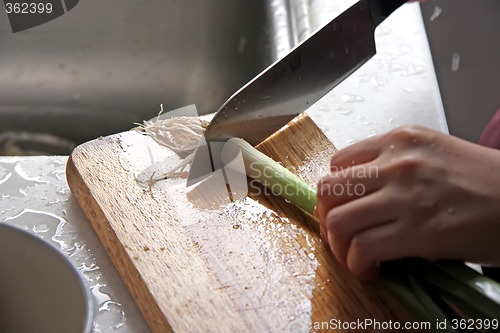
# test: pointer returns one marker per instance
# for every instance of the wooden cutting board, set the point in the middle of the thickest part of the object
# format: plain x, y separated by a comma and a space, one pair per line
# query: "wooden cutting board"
196, 262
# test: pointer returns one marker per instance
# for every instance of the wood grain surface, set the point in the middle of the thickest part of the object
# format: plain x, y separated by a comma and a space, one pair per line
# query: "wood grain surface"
195, 261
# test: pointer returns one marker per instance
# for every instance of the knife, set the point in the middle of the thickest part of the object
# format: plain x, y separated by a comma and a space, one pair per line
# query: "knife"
294, 83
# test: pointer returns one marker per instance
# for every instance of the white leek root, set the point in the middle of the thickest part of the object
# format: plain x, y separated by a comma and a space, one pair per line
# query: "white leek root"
180, 134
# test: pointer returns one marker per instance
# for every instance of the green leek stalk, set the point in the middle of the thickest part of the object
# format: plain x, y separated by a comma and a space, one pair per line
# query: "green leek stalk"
468, 290
471, 292
413, 295
271, 174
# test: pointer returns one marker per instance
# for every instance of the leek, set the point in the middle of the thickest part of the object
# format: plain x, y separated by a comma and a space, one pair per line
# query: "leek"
413, 295
464, 285
273, 175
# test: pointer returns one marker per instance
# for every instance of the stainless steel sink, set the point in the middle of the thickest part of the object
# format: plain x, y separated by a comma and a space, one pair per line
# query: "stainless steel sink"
106, 64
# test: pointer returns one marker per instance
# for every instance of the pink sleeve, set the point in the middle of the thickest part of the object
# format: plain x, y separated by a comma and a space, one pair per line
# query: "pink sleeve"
491, 134
491, 138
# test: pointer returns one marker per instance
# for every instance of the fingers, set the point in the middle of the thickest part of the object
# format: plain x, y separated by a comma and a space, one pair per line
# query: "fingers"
381, 200
344, 222
398, 140
347, 184
359, 153
322, 230
369, 248
344, 186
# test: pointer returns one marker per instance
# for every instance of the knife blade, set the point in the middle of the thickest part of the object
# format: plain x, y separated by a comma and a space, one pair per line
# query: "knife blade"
294, 83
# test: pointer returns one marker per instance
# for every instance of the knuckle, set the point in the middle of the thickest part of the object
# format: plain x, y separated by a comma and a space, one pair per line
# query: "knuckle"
360, 246
338, 157
360, 255
410, 161
321, 184
419, 195
424, 202
334, 159
408, 165
407, 133
324, 186
335, 221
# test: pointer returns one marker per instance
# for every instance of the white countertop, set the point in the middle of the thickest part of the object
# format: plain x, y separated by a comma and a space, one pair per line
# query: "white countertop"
34, 195
398, 86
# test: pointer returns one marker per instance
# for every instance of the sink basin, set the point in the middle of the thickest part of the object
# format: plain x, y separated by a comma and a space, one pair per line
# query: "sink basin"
106, 64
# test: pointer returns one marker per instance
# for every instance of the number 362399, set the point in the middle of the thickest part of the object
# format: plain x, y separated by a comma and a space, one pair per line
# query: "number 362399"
28, 8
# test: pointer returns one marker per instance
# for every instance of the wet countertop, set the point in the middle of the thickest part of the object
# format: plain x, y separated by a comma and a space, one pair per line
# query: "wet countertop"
398, 86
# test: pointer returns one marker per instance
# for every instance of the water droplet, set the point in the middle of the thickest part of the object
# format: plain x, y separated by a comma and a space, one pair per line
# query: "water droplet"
378, 80
455, 62
345, 112
346, 47
393, 67
100, 296
412, 70
84, 268
241, 45
436, 13
382, 31
409, 90
349, 98
40, 228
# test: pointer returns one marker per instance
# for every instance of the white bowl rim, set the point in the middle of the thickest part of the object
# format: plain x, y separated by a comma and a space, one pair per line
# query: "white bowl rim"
84, 288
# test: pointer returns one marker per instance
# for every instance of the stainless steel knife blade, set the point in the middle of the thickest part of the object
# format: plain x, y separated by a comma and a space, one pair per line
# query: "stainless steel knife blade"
294, 83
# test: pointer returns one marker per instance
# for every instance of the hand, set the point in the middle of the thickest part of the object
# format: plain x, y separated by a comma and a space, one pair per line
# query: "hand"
412, 192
